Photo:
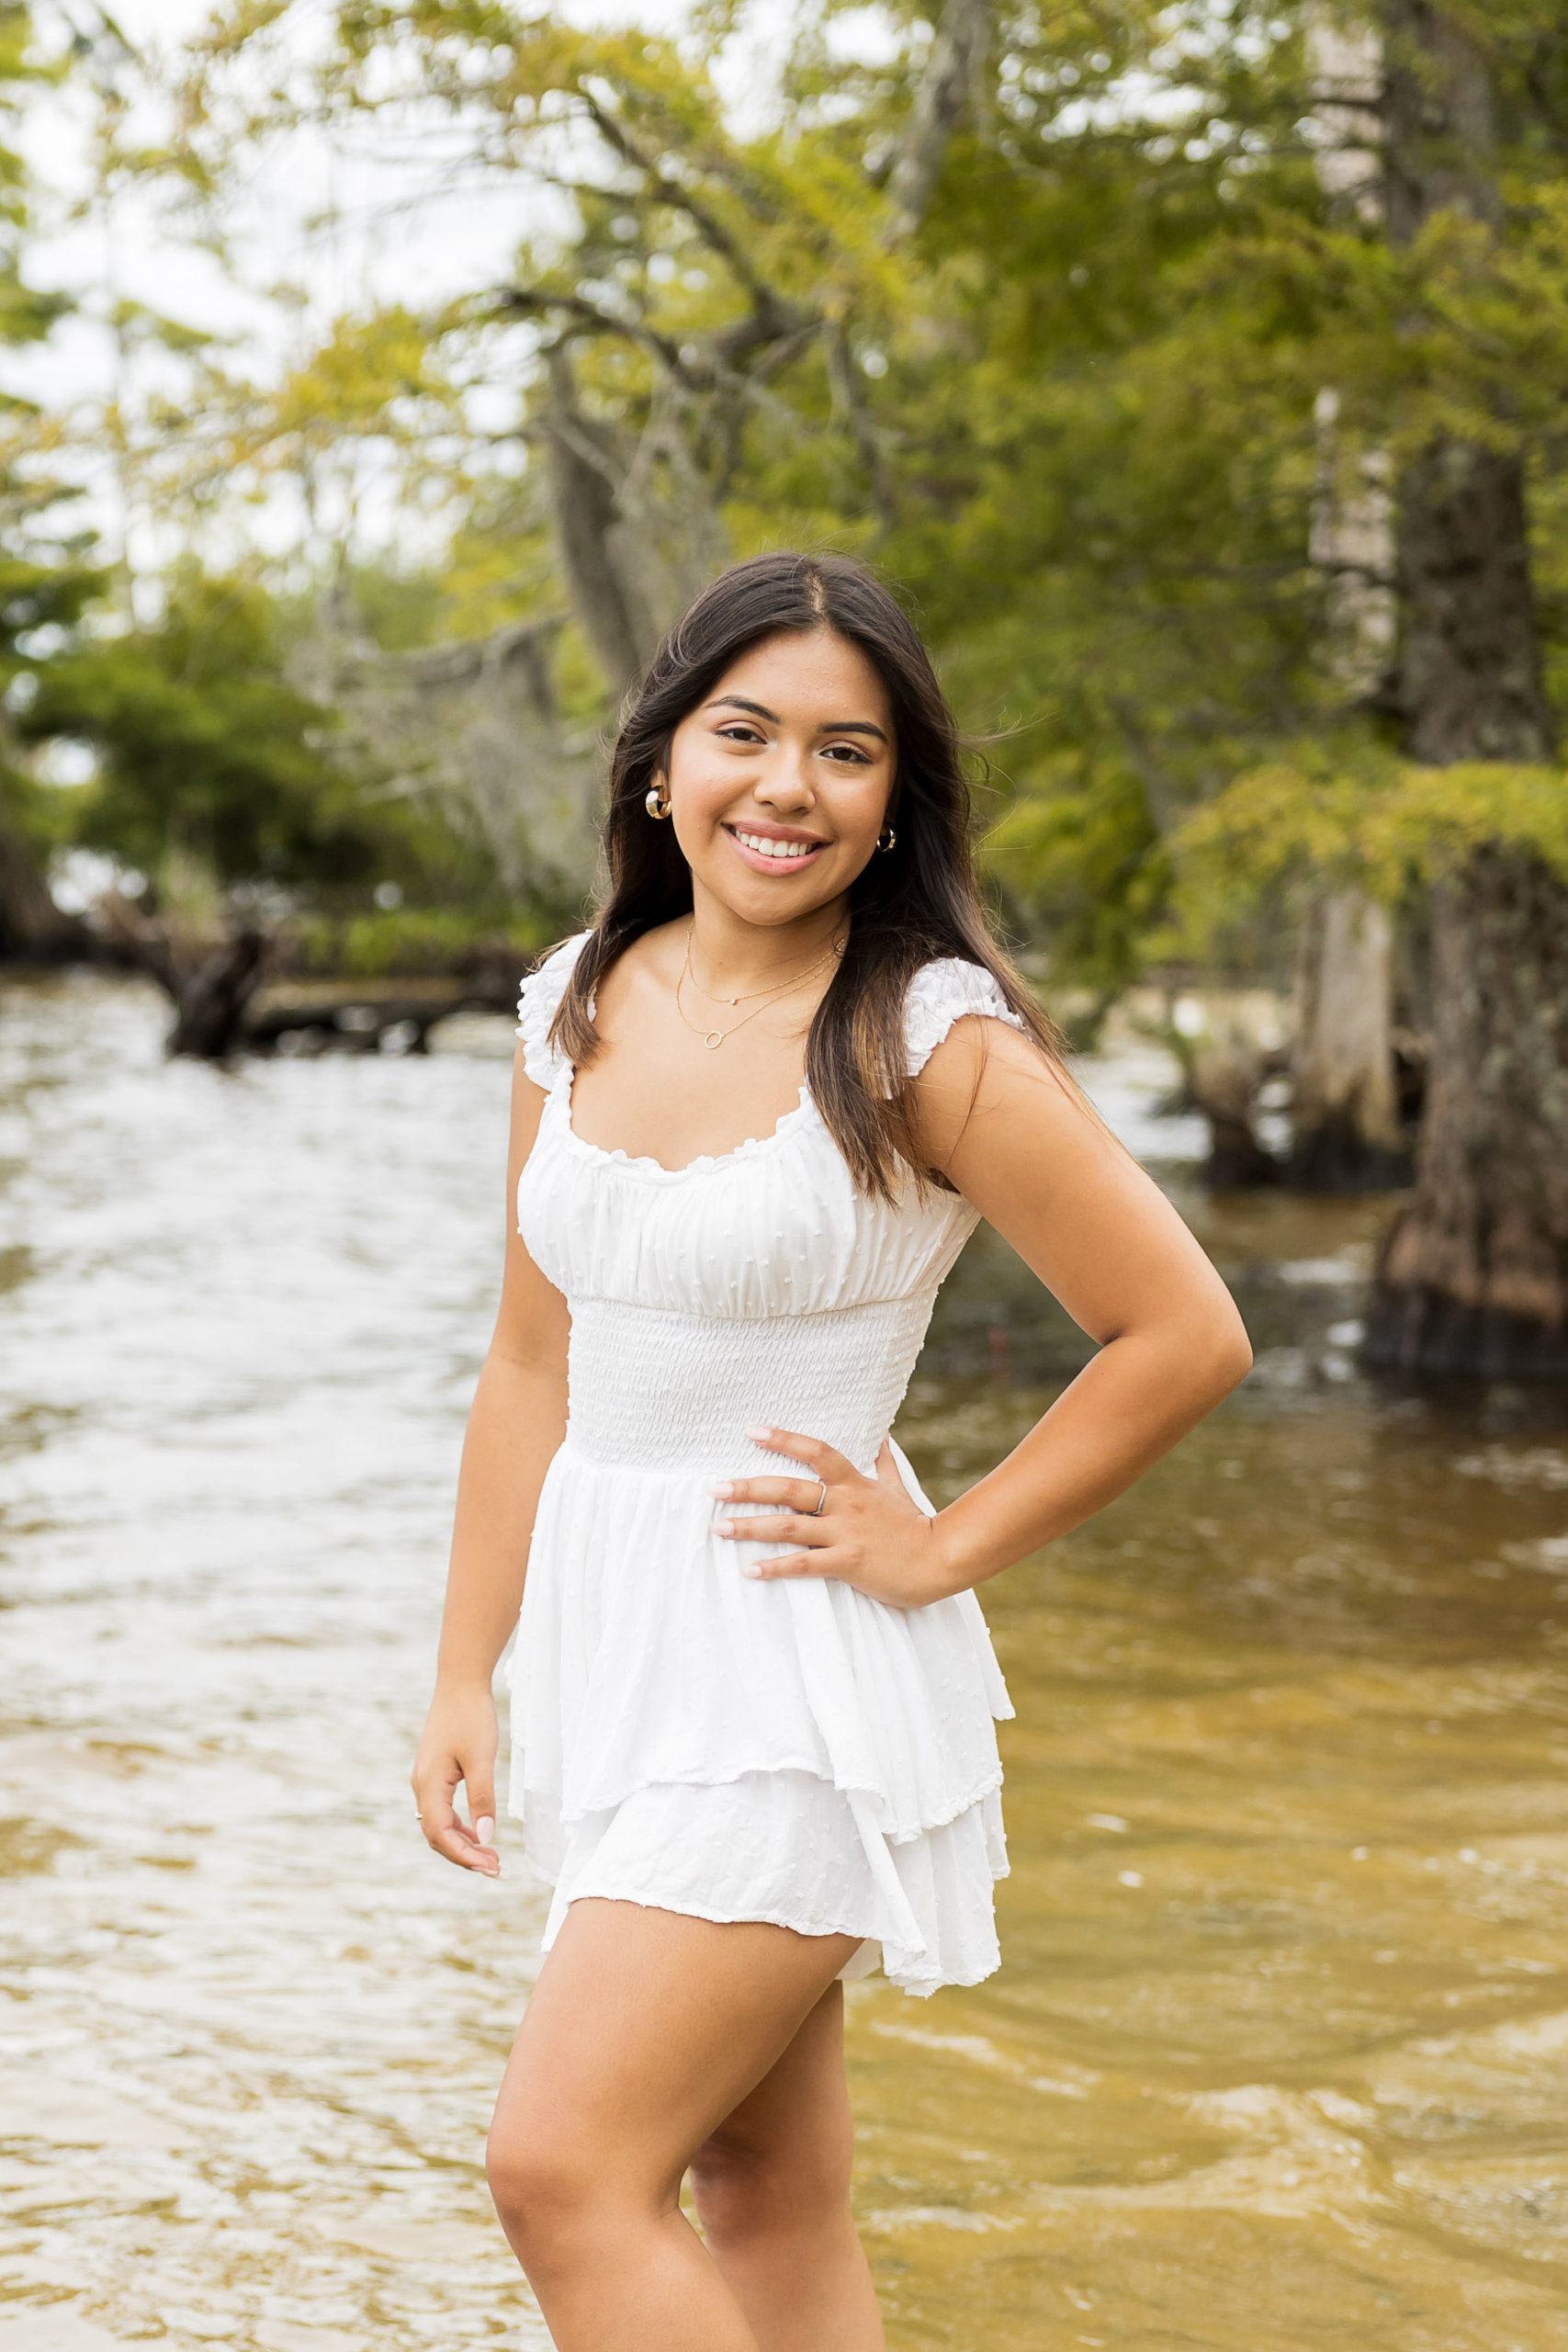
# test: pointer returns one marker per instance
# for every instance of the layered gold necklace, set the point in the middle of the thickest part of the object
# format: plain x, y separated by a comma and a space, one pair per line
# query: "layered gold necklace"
714, 1038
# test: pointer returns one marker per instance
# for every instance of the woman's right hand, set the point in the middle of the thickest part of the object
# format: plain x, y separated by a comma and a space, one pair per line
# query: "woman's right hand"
459, 1744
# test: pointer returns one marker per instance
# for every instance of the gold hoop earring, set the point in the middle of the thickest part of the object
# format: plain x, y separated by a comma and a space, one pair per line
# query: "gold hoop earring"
886, 837
654, 803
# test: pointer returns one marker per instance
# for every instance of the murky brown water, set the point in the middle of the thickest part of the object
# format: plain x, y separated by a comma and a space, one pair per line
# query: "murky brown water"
1279, 2056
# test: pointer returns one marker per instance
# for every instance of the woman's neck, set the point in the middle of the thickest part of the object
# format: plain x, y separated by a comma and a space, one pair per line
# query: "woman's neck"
735, 957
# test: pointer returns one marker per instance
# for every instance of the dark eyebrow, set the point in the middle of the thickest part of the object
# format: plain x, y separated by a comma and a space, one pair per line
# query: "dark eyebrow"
760, 710
738, 702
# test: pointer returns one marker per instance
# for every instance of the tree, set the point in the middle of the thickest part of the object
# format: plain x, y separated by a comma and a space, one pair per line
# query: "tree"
1345, 1125
46, 576
207, 759
1044, 311
42, 588
1473, 1277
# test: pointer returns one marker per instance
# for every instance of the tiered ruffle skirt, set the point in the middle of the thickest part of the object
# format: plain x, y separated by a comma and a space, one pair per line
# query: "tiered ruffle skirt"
695, 1739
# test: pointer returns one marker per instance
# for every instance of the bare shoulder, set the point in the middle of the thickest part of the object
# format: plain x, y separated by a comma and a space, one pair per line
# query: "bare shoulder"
652, 962
657, 954
658, 947
990, 1094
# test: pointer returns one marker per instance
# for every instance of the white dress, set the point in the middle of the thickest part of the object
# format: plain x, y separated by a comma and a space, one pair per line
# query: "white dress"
684, 1735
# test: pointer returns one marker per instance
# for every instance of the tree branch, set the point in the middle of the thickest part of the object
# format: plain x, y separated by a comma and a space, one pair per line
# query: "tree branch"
956, 50
846, 392
773, 313
528, 301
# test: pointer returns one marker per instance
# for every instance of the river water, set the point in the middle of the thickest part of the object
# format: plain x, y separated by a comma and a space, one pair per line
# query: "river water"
1277, 2059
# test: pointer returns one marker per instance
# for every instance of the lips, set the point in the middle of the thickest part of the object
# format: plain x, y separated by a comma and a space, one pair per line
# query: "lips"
775, 853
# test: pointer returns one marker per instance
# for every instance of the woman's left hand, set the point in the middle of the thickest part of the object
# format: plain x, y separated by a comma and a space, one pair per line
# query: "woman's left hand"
869, 1531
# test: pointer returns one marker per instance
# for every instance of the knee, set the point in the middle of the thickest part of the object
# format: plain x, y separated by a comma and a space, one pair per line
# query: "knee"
746, 2193
542, 2181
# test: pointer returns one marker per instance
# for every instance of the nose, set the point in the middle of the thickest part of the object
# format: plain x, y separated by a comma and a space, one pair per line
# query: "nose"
785, 780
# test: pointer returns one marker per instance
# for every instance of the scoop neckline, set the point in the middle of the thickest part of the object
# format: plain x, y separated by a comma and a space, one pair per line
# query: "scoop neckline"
644, 1164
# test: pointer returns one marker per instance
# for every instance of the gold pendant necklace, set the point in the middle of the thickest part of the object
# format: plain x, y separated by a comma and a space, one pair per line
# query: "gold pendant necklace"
774, 988
714, 1038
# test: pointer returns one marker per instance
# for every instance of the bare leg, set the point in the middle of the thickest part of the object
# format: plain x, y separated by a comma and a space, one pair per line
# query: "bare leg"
646, 2030
773, 2190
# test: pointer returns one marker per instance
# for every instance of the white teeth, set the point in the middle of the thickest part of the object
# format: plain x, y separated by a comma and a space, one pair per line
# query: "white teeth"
767, 847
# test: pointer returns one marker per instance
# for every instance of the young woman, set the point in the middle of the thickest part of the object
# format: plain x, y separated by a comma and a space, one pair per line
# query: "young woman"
759, 1108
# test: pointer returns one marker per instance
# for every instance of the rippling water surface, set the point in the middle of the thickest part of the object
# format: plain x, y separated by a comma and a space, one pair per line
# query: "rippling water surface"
1278, 2055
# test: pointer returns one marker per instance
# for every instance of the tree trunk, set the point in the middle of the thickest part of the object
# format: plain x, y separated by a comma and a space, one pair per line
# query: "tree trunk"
1345, 1135
1470, 683
1474, 1277
957, 53
1237, 1162
32, 928
1225, 1072
586, 512
1474, 1274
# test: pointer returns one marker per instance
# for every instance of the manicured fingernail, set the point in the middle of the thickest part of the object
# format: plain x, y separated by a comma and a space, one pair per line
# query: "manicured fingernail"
484, 1830
724, 1527
721, 1488
754, 1570
759, 1437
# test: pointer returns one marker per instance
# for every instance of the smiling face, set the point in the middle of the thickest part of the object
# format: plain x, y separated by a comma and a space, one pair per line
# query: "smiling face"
779, 781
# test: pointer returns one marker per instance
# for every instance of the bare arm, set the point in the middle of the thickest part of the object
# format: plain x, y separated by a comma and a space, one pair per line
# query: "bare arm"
1100, 1235
1019, 1141
514, 1426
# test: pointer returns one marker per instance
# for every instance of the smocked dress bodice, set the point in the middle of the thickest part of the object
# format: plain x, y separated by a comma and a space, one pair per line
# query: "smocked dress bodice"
762, 1272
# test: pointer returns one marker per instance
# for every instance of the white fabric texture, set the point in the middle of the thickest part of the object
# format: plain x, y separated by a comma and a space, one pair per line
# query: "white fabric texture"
684, 1736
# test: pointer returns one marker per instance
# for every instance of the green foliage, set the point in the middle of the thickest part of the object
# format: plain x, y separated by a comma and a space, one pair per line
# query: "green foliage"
47, 578
1374, 823
42, 587
1078, 857
1034, 413
1071, 408
24, 311
408, 940
203, 746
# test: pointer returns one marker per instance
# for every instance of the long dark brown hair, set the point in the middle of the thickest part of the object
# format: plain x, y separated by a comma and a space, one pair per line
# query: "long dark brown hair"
910, 904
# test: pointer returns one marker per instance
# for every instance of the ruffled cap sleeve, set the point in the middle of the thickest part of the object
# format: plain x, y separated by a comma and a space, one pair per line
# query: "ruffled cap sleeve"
538, 1003
941, 993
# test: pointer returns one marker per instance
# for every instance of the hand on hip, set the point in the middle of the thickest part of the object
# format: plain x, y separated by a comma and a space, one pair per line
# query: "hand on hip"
869, 1532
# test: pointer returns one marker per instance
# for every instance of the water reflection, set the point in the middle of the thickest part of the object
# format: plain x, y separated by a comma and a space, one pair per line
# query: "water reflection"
1279, 2055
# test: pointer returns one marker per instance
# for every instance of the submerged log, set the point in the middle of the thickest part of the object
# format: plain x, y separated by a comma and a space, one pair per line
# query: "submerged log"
210, 1002
208, 985
367, 1017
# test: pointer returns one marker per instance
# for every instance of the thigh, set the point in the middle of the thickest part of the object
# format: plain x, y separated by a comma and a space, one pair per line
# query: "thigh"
798, 2118
647, 2028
